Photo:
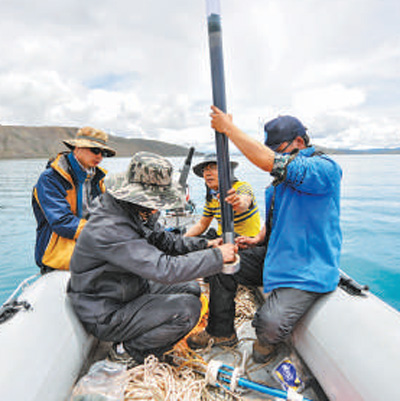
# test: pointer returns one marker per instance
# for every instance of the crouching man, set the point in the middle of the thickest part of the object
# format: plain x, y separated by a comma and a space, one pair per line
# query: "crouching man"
131, 281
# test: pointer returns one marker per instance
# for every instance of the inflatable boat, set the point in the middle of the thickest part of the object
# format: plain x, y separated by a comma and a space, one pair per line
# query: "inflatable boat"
42, 343
349, 340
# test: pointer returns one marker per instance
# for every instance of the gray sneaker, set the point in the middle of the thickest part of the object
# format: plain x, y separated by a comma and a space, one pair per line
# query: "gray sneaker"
115, 355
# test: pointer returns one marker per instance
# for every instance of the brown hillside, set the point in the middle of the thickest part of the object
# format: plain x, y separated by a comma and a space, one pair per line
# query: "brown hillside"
19, 142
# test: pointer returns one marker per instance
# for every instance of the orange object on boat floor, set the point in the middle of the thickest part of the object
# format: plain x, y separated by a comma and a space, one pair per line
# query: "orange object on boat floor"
201, 324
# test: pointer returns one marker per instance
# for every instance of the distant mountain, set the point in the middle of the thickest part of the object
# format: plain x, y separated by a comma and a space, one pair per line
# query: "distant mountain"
333, 151
20, 142
358, 152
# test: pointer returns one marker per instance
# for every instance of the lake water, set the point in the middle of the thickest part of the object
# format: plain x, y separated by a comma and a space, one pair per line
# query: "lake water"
370, 217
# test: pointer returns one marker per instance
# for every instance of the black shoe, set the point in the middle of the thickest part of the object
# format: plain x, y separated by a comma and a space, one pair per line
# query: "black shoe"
263, 353
203, 339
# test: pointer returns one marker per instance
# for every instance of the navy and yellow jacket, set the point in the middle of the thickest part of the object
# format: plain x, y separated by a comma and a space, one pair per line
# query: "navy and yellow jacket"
56, 204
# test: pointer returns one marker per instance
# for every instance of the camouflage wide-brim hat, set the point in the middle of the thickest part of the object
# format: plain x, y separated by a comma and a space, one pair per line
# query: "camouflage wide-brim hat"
148, 183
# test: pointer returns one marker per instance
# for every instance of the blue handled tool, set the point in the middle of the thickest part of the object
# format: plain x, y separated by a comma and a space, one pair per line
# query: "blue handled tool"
226, 373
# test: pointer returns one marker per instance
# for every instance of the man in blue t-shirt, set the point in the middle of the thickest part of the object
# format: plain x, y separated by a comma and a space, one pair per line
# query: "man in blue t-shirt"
301, 236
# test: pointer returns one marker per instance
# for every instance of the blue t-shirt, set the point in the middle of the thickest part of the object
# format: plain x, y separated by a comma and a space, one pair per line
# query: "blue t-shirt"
305, 241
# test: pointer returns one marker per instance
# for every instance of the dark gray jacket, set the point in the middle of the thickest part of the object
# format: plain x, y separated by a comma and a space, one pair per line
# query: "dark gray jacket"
116, 254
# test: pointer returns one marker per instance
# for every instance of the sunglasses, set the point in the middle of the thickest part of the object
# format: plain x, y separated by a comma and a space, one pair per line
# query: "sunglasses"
283, 150
209, 167
97, 151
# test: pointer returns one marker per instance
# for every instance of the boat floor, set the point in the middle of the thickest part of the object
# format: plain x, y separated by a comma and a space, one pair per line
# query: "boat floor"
233, 357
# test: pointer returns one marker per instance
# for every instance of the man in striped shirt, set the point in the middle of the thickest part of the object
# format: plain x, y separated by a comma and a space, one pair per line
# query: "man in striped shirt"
240, 196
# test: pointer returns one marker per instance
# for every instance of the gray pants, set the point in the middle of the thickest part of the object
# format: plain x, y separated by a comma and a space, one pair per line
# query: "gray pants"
274, 320
154, 322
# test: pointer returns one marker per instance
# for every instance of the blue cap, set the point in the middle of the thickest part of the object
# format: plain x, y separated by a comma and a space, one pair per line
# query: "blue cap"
282, 129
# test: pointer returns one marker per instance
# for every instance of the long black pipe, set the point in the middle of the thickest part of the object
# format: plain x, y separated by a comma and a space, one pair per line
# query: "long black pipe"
219, 100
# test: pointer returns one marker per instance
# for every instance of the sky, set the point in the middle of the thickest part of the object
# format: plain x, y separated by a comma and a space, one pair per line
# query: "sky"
141, 68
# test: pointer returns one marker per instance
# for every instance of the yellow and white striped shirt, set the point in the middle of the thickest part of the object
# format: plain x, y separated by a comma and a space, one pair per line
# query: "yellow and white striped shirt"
247, 223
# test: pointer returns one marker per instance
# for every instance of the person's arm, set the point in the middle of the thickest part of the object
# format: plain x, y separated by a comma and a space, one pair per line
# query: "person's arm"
259, 154
51, 197
240, 202
140, 257
249, 242
317, 175
199, 227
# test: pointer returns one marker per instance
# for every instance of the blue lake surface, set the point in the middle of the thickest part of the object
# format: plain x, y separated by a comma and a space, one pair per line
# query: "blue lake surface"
370, 217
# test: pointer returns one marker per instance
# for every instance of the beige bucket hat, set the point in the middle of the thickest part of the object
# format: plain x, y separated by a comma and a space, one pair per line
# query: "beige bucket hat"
148, 183
88, 137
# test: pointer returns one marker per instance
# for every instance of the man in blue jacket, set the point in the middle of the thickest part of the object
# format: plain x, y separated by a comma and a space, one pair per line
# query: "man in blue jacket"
302, 236
63, 195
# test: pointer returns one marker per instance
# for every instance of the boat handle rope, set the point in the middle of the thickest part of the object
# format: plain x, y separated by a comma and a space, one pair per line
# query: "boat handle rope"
8, 310
351, 286
12, 305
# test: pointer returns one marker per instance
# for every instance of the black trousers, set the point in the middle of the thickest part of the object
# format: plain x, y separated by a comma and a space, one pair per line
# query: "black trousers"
223, 290
274, 320
154, 322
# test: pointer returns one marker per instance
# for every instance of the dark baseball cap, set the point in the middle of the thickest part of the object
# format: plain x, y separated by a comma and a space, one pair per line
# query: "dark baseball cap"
282, 129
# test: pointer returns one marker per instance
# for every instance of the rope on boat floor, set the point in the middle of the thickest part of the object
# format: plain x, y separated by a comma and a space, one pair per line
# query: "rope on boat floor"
188, 377
158, 381
246, 305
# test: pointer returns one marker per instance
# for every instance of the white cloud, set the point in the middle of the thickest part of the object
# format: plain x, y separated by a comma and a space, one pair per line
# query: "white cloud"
314, 101
141, 68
